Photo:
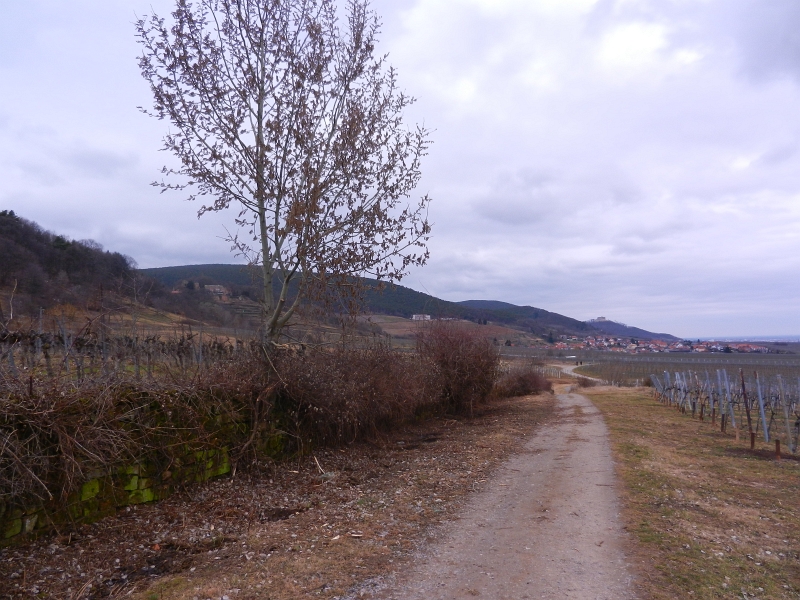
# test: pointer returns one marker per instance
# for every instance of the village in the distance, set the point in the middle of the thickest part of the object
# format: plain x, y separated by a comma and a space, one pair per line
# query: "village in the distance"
634, 346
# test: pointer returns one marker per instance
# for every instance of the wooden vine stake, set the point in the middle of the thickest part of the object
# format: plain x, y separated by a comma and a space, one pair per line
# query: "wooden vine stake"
746, 407
785, 406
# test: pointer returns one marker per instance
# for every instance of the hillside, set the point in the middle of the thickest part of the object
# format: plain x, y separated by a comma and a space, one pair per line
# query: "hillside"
222, 274
49, 269
45, 269
396, 300
625, 331
42, 269
536, 319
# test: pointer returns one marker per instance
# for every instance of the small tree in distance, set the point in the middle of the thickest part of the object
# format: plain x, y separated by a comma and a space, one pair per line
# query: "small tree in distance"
280, 111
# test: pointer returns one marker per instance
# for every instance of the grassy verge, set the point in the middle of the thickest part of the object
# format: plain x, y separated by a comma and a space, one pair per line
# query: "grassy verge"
712, 518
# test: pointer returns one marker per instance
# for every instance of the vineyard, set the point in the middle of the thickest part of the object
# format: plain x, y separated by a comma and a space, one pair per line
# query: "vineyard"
635, 370
87, 353
755, 396
767, 405
750, 395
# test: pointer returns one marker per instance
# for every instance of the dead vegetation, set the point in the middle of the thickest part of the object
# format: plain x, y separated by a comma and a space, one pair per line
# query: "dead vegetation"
712, 519
585, 382
366, 449
57, 429
521, 379
325, 525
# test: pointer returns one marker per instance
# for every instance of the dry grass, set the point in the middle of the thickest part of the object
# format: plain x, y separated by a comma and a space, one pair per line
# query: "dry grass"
712, 519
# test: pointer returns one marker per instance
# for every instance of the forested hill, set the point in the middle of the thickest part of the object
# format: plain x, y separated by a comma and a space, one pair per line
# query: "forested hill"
621, 330
237, 275
396, 300
511, 313
45, 269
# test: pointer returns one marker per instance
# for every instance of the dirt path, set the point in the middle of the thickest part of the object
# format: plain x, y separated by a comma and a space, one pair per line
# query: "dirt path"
547, 525
570, 370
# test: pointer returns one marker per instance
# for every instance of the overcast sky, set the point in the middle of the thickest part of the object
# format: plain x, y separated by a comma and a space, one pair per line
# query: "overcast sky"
634, 159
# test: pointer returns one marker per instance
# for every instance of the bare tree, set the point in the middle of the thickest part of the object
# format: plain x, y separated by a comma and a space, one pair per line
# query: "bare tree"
293, 118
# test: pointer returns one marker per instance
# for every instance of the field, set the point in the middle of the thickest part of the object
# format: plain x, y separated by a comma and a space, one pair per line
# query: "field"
709, 517
629, 369
754, 395
403, 331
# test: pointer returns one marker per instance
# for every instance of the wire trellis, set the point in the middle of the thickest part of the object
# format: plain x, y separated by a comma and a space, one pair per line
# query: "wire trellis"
769, 406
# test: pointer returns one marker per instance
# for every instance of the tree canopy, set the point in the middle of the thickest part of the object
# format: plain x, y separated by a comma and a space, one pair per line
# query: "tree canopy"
287, 113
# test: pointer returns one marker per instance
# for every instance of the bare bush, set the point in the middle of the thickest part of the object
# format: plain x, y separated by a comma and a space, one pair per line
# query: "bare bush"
330, 396
55, 431
586, 382
521, 380
464, 363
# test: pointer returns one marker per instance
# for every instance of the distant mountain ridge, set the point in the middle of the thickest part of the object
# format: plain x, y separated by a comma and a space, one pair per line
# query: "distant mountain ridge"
506, 312
621, 330
220, 273
398, 300
45, 269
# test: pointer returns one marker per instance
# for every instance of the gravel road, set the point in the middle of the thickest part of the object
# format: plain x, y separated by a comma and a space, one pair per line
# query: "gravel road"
545, 526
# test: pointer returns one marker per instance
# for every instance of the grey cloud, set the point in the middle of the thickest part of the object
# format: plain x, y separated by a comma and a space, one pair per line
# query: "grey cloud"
50, 166
662, 195
99, 163
626, 195
778, 154
637, 246
40, 172
520, 199
769, 38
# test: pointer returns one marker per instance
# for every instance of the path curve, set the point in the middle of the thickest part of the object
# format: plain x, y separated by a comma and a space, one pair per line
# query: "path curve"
546, 526
570, 370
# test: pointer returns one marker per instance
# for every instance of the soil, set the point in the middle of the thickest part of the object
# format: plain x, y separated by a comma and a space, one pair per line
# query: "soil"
547, 526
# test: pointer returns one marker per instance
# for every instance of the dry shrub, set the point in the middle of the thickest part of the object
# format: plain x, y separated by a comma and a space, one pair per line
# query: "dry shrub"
585, 382
465, 364
247, 401
521, 380
53, 438
340, 394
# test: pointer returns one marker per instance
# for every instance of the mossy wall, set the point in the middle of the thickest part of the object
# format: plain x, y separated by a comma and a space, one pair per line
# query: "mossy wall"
103, 493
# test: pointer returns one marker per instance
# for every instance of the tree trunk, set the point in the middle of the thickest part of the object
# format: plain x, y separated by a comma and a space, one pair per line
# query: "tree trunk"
267, 270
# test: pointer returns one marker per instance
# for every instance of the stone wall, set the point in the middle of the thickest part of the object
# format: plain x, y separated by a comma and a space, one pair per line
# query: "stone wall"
103, 493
